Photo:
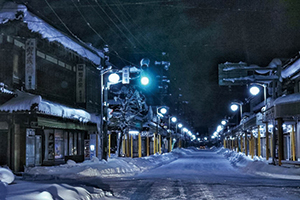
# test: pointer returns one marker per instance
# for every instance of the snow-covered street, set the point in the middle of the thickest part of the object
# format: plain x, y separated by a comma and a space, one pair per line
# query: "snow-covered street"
182, 174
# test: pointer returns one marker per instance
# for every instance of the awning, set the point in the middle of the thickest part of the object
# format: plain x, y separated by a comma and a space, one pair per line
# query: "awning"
28, 102
286, 106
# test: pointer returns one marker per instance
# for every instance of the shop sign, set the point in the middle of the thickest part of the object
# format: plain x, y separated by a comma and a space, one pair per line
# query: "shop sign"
30, 64
80, 83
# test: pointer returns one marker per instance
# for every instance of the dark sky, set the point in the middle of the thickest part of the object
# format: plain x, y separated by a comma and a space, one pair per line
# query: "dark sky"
197, 35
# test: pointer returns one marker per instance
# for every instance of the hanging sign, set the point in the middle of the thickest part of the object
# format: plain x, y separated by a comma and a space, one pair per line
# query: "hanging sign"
80, 83
30, 64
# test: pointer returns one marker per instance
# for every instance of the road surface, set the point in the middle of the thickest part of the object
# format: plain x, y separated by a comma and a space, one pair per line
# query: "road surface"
203, 174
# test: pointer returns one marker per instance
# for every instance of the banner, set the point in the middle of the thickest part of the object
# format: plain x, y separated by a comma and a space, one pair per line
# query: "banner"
30, 64
80, 83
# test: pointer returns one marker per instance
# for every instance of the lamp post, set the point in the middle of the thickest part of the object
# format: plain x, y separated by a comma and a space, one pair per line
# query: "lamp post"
174, 120
160, 112
236, 105
105, 85
254, 90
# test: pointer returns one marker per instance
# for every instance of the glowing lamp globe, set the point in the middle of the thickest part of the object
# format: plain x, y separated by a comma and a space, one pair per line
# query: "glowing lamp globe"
114, 78
234, 107
174, 119
254, 90
145, 80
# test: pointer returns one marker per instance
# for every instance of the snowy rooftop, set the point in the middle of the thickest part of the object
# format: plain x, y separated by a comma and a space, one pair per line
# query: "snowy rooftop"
36, 24
291, 98
24, 101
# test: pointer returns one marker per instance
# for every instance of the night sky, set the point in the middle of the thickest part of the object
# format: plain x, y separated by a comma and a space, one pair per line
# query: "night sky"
196, 36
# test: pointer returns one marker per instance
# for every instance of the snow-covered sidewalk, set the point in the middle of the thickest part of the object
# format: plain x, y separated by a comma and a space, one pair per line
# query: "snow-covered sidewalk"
259, 165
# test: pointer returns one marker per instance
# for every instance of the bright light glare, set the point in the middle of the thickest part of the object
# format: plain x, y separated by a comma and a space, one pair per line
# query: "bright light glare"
254, 90
92, 147
133, 132
185, 130
223, 122
163, 111
180, 125
219, 128
145, 80
174, 119
114, 78
234, 107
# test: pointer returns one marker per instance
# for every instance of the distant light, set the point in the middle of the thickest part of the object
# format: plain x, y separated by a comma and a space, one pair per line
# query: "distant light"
234, 107
205, 138
174, 119
223, 122
133, 132
114, 78
145, 80
215, 134
163, 111
185, 130
92, 147
180, 125
254, 90
219, 128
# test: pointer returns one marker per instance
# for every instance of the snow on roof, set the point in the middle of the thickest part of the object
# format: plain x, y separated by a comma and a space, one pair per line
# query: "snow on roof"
36, 24
290, 70
291, 98
4, 90
25, 101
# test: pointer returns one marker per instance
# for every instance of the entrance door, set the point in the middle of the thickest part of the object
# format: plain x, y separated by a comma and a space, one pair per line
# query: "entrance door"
3, 147
30, 147
38, 150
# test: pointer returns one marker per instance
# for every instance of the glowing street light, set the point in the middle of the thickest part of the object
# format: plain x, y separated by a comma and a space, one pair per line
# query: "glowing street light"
235, 106
223, 122
254, 90
114, 78
144, 80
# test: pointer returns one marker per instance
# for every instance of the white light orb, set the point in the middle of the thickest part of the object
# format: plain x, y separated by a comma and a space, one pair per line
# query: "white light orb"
145, 80
254, 90
174, 119
234, 107
163, 111
114, 78
223, 122
180, 125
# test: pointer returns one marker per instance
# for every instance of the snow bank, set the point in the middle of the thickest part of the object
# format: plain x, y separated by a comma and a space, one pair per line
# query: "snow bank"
259, 165
114, 167
6, 176
63, 191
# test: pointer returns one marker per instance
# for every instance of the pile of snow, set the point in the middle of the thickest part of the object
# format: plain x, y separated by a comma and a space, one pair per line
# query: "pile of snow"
259, 165
114, 167
6, 176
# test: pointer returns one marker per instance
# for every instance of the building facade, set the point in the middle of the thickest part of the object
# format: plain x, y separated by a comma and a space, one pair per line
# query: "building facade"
50, 93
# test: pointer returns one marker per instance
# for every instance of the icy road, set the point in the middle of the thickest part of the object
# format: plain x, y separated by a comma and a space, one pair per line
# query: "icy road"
202, 174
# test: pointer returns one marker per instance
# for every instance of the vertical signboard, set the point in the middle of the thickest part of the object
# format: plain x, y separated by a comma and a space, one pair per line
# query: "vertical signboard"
80, 83
87, 149
30, 65
125, 75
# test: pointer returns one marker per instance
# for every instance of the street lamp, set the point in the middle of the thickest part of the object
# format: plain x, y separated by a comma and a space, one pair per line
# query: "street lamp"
254, 90
235, 106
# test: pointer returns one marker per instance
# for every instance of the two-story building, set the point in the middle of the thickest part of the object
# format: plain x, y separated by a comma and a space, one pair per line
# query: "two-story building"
50, 92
